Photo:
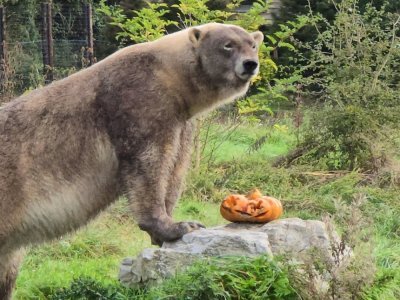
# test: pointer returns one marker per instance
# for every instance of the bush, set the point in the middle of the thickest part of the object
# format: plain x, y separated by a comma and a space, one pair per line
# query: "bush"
89, 289
355, 65
214, 278
230, 278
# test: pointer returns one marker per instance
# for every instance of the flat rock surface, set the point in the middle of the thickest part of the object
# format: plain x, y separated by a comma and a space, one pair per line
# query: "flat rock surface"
292, 236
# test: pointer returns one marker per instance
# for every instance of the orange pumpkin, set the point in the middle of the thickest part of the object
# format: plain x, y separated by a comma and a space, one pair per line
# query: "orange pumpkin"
251, 208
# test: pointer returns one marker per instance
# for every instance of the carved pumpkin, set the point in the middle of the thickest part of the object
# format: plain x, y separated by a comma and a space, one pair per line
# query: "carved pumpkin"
251, 208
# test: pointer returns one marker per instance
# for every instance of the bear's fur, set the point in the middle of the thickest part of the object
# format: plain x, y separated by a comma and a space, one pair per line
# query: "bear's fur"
121, 127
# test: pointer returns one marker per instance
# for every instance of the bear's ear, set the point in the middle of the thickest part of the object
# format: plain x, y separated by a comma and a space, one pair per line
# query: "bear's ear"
258, 37
195, 35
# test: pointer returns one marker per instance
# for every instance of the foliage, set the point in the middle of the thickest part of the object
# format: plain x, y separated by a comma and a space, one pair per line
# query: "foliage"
324, 8
230, 278
327, 9
271, 85
90, 289
23, 58
146, 25
223, 278
355, 65
151, 22
195, 12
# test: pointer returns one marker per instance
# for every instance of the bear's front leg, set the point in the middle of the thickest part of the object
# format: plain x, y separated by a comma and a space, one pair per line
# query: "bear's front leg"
180, 167
146, 181
165, 230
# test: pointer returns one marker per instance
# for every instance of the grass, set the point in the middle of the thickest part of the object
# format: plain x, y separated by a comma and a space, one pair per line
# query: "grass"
231, 142
235, 160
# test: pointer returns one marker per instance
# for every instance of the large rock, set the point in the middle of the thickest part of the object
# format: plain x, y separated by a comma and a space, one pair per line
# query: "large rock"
292, 237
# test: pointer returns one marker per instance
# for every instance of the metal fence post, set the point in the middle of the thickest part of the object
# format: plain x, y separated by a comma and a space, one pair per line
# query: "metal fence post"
47, 42
89, 34
3, 53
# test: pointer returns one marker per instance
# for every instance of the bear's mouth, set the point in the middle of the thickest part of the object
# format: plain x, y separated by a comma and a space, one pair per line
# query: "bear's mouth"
246, 76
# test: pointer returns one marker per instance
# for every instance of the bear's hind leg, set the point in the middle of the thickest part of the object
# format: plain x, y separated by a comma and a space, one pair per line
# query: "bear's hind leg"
9, 265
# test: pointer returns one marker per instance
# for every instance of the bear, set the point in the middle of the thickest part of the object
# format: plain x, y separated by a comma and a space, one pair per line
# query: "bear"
120, 127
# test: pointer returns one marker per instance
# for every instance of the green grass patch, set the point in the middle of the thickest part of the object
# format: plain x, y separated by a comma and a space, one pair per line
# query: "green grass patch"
229, 142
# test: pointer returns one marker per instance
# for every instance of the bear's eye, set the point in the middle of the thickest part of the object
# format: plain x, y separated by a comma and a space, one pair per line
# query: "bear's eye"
254, 47
228, 46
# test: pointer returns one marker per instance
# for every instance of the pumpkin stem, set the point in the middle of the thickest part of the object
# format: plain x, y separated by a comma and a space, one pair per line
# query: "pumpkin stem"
254, 194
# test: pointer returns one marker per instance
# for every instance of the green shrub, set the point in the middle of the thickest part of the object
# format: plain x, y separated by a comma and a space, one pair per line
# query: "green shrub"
214, 278
89, 289
355, 65
230, 278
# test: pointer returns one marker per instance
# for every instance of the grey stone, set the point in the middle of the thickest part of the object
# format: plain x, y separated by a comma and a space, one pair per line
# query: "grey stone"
152, 265
292, 236
217, 242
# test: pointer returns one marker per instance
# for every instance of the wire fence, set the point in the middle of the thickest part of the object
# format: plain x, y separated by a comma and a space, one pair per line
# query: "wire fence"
39, 44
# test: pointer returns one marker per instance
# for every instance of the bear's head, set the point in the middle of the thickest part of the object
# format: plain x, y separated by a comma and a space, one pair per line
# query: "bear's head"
226, 54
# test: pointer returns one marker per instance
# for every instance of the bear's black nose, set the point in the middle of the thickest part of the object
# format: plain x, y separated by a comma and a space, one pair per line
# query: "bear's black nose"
249, 66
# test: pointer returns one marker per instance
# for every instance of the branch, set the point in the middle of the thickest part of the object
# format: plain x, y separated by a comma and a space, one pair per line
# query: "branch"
386, 60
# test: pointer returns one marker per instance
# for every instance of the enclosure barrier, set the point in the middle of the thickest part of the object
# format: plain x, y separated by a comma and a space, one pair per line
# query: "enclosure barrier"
46, 41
